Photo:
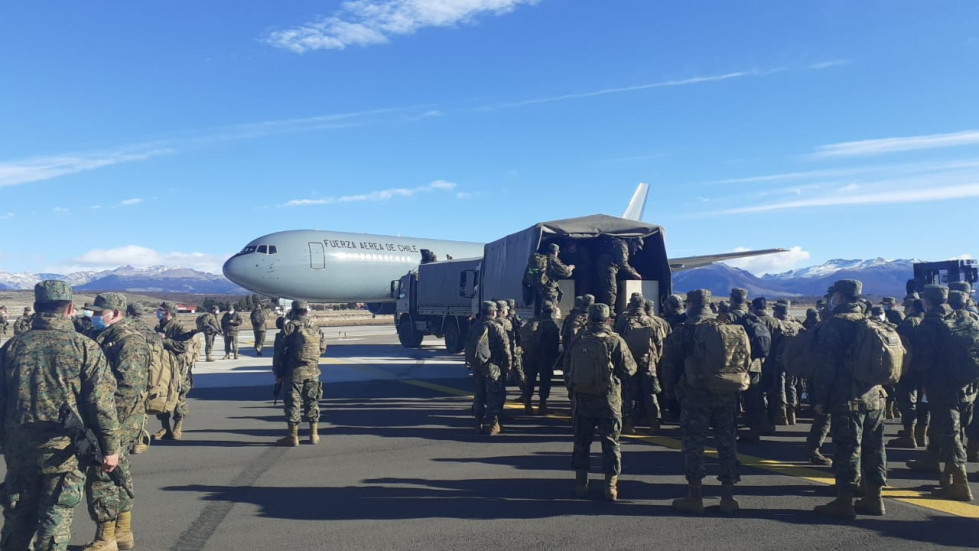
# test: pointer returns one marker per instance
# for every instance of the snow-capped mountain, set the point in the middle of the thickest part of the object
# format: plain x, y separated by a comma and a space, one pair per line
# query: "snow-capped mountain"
161, 279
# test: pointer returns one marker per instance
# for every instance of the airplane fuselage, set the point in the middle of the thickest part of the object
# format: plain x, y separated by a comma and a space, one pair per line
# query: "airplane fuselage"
326, 266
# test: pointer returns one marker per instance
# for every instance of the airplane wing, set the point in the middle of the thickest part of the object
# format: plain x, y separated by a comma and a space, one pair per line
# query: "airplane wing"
638, 204
686, 263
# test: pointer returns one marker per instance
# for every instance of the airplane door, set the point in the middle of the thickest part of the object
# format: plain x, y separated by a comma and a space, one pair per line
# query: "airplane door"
317, 255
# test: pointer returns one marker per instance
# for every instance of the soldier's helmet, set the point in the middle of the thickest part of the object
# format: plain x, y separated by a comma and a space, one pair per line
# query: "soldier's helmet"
598, 312
937, 294
488, 307
553, 248
587, 300
298, 305
51, 290
699, 297
963, 286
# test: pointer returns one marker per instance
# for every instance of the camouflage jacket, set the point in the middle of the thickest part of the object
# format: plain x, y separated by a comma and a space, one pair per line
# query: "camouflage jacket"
175, 338
673, 366
573, 325
125, 347
833, 386
23, 324
894, 316
257, 318
548, 342
556, 270
45, 369
210, 323
284, 362
500, 355
623, 364
512, 335
230, 323
926, 346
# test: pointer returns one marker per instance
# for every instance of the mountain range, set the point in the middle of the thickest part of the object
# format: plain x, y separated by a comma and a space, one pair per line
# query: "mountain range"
154, 279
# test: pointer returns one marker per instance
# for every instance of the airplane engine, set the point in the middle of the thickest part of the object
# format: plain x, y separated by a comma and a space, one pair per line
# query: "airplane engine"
381, 308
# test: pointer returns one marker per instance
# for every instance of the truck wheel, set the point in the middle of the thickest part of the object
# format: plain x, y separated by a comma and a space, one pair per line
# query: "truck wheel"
453, 338
407, 335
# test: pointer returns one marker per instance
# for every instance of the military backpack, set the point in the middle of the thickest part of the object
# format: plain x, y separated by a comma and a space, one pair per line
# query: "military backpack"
536, 274
877, 356
759, 337
719, 358
590, 370
960, 347
477, 350
530, 339
638, 337
165, 377
308, 343
258, 317
800, 354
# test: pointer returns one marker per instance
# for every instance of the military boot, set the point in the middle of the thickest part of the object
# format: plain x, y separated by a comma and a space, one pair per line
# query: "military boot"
142, 444
790, 414
226, 357
163, 433
124, 531
581, 484
841, 507
927, 464
178, 430
921, 435
958, 489
817, 458
209, 358
972, 450
542, 408
729, 505
693, 504
105, 537
905, 441
291, 439
495, 429
611, 487
528, 406
782, 416
872, 503
314, 433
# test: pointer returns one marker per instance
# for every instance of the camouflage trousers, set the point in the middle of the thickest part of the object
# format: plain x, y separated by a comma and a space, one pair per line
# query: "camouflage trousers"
910, 395
818, 432
259, 338
183, 409
105, 499
695, 425
784, 391
302, 397
591, 412
38, 503
489, 393
532, 370
639, 395
858, 437
231, 343
608, 287
208, 344
951, 412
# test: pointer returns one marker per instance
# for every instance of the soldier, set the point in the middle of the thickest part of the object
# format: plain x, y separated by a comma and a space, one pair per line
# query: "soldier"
890, 310
613, 259
701, 410
230, 322
965, 287
595, 367
645, 338
488, 357
177, 341
574, 325
515, 374
208, 324
23, 323
45, 369
556, 271
786, 387
759, 413
856, 409
129, 358
541, 339
812, 318
951, 401
4, 321
910, 391
673, 311
258, 327
83, 323
738, 307
297, 363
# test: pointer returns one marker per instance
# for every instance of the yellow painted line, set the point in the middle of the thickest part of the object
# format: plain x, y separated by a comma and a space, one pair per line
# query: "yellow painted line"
437, 387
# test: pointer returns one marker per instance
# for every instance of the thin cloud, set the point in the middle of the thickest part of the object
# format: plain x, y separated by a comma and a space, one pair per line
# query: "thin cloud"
372, 22
382, 195
877, 170
771, 263
36, 169
896, 145
129, 202
827, 64
884, 197
143, 257
60, 210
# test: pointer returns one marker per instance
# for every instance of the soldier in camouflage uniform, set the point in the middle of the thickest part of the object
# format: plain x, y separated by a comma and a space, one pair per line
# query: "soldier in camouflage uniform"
673, 311
257, 318
4, 322
737, 308
701, 410
505, 319
890, 310
556, 271
208, 324
176, 340
44, 481
129, 358
910, 391
298, 370
489, 378
598, 410
786, 387
23, 323
856, 409
613, 259
541, 339
575, 323
230, 323
968, 305
639, 391
951, 402
812, 318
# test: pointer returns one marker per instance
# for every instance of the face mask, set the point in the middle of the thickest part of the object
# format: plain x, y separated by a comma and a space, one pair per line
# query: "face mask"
98, 323
159, 314
87, 313
232, 311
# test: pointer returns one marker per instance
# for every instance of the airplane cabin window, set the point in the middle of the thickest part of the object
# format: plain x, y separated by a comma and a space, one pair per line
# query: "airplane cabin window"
263, 249
248, 250
272, 249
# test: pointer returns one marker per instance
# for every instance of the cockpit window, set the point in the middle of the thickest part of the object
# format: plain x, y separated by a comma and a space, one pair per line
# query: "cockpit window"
263, 249
272, 249
247, 250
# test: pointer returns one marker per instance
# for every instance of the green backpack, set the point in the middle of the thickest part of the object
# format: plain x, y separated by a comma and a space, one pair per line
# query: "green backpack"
164, 379
719, 359
961, 347
529, 339
877, 356
638, 337
800, 355
590, 365
477, 350
308, 343
536, 274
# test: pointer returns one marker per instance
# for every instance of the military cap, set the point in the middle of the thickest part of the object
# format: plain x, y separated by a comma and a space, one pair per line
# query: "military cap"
636, 299
50, 290
737, 295
579, 301
784, 301
912, 296
699, 297
811, 312
674, 301
781, 307
587, 300
963, 286
937, 294
598, 312
502, 305
511, 303
649, 305
820, 303
876, 311
168, 306
298, 305
488, 307
889, 300
27, 309
548, 306
958, 299
760, 303
134, 309
849, 287
108, 301
553, 248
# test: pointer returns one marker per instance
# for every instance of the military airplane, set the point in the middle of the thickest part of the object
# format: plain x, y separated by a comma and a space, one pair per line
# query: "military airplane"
326, 266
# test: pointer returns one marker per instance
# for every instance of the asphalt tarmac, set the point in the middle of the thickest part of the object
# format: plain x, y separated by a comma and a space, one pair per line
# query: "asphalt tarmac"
399, 467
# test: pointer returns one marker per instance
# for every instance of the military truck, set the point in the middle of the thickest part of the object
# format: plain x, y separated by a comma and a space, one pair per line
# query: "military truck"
942, 273
429, 302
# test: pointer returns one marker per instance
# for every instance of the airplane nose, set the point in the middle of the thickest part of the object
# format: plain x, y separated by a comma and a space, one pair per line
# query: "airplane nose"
233, 270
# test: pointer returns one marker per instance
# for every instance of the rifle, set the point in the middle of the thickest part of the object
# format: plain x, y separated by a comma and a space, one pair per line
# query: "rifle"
87, 447
276, 391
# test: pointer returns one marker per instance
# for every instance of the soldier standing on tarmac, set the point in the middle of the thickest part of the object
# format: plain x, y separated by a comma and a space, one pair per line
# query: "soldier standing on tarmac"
257, 318
230, 323
488, 357
177, 341
297, 368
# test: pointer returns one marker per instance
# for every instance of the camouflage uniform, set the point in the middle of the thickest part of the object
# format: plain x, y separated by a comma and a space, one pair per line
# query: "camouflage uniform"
556, 271
541, 355
23, 323
786, 388
613, 259
516, 373
856, 409
129, 358
211, 328
44, 481
576, 322
601, 411
176, 340
489, 379
300, 376
910, 392
258, 327
639, 391
230, 322
4, 323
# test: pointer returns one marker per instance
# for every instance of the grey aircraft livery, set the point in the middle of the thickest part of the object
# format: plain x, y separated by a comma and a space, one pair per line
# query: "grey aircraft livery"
326, 266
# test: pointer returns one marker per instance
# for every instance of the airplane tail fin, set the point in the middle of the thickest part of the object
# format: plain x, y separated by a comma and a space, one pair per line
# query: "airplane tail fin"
638, 204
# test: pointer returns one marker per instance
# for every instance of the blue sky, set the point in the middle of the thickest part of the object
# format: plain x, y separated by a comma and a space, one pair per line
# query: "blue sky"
173, 133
